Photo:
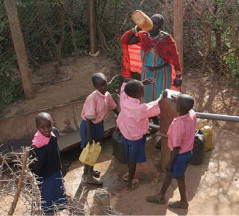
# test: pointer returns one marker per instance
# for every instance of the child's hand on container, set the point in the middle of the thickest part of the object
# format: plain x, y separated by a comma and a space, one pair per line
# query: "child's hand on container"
162, 96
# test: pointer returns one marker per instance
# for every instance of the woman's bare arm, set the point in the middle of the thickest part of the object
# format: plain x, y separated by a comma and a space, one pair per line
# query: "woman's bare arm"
133, 39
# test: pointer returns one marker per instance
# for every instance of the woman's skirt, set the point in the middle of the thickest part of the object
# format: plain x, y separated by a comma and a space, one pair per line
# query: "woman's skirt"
163, 80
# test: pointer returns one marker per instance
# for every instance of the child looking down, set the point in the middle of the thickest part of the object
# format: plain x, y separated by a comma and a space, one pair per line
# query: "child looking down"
181, 135
133, 123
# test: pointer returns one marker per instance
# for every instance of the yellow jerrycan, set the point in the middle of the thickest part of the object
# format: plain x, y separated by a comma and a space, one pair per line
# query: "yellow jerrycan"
90, 153
207, 130
200, 123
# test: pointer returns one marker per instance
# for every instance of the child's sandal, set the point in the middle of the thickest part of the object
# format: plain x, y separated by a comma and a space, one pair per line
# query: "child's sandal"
93, 181
96, 174
135, 184
126, 176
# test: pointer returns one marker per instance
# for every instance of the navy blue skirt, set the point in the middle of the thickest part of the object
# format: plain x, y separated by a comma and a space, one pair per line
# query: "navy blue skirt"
134, 149
97, 132
180, 164
53, 195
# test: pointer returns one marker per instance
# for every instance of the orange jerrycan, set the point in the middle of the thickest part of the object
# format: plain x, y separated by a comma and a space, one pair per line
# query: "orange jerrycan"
207, 130
142, 20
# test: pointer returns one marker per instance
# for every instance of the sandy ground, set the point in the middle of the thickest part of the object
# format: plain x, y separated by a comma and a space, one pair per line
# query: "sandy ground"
212, 95
212, 188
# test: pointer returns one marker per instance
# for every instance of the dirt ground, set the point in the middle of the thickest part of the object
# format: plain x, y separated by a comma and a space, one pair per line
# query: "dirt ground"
54, 86
212, 188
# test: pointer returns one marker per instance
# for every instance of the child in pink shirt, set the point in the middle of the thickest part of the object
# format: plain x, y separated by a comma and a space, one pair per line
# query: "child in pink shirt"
133, 123
95, 108
181, 135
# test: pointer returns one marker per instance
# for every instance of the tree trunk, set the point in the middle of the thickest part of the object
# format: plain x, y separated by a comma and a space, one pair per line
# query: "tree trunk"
92, 26
207, 35
73, 35
19, 46
178, 27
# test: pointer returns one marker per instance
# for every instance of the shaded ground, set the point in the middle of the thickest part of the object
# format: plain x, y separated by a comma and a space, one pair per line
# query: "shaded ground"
212, 188
213, 95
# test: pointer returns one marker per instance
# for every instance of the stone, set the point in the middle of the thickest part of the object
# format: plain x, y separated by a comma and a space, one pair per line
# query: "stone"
101, 202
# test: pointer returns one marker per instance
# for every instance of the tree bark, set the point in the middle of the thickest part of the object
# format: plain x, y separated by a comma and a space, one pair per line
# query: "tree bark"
73, 35
19, 47
92, 26
178, 27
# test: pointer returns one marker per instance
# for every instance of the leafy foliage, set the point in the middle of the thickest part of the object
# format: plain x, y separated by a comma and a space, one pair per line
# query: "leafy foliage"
10, 82
54, 29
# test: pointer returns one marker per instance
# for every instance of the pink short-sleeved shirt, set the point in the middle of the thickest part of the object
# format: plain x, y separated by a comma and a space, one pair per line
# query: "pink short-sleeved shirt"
97, 105
181, 132
133, 119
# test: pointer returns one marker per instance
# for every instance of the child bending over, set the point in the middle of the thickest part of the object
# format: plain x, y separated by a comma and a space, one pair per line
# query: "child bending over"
181, 134
133, 123
95, 108
47, 165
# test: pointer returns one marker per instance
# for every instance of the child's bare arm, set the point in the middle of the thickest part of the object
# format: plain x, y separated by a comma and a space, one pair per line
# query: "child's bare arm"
172, 159
133, 39
144, 82
116, 112
148, 81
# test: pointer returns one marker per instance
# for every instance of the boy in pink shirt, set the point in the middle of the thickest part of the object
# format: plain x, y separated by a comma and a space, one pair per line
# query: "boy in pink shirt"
133, 123
181, 135
95, 108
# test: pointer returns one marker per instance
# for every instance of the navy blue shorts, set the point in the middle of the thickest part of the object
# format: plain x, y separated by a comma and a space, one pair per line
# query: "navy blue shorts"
52, 193
180, 164
134, 149
97, 132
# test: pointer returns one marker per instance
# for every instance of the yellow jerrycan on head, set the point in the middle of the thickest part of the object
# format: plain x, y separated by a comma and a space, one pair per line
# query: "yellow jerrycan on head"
90, 153
207, 130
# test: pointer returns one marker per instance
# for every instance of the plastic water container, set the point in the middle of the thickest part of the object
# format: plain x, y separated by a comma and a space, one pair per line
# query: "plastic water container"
118, 147
207, 130
142, 20
201, 123
198, 148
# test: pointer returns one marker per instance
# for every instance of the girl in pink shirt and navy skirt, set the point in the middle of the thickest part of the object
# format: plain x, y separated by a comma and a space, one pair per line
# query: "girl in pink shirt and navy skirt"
181, 135
95, 108
133, 123
47, 165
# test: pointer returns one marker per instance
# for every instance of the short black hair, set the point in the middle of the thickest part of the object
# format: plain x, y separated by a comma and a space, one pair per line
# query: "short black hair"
43, 116
133, 88
159, 19
98, 77
186, 102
